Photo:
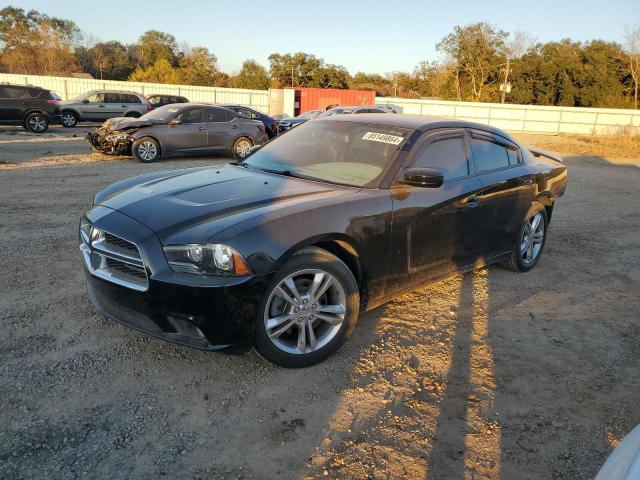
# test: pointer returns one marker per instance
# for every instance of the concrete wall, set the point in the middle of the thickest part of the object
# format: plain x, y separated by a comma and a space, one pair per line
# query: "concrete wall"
524, 118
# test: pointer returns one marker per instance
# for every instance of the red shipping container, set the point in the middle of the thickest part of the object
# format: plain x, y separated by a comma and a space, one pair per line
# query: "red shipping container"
320, 98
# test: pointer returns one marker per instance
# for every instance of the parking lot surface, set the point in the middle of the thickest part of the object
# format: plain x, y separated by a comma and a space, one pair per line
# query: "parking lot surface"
491, 375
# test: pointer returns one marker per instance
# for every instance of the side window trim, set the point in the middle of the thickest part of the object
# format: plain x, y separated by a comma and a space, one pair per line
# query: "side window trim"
432, 136
487, 136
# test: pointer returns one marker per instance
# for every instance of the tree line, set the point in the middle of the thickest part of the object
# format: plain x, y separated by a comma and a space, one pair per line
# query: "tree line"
479, 63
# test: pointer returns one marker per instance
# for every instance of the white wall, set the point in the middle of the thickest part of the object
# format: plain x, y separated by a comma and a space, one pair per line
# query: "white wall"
68, 88
524, 118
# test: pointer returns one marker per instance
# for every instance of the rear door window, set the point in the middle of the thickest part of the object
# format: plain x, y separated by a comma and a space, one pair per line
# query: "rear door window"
112, 98
215, 115
447, 154
488, 154
15, 92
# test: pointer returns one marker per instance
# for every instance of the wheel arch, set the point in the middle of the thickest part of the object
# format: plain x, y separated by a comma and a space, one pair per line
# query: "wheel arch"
340, 245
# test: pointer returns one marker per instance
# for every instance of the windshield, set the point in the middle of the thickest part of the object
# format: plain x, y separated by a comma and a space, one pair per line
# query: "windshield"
161, 114
346, 153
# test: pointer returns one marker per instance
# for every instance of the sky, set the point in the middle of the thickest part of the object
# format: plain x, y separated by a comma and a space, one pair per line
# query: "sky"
367, 36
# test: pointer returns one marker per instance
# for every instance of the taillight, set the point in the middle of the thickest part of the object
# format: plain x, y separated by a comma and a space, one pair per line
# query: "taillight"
149, 107
261, 127
53, 102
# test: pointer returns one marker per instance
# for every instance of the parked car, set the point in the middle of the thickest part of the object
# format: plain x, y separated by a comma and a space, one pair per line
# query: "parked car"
389, 108
176, 129
99, 105
286, 248
160, 100
349, 110
287, 123
270, 123
32, 107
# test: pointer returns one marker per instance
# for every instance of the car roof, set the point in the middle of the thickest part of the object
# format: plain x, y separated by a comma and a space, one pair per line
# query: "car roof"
9, 84
414, 122
164, 95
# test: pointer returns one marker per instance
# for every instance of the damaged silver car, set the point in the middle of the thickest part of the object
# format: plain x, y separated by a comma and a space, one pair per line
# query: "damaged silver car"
187, 128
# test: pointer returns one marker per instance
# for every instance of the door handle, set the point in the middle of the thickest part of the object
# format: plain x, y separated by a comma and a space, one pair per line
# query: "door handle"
473, 201
235, 127
528, 181
201, 129
101, 106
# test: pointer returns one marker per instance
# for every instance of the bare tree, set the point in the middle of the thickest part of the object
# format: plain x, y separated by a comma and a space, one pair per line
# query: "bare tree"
632, 47
515, 47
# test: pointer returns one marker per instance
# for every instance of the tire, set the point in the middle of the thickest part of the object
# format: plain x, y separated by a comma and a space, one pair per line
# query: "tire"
331, 316
523, 258
36, 122
240, 149
69, 119
146, 150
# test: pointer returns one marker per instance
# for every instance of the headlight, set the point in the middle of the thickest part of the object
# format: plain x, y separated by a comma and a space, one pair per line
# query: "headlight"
209, 259
114, 137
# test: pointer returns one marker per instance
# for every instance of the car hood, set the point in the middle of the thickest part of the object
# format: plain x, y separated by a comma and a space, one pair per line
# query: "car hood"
123, 123
191, 206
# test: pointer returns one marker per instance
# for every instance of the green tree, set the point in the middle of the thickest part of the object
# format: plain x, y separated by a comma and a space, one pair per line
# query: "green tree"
477, 50
294, 70
34, 43
159, 72
153, 46
252, 75
108, 60
199, 67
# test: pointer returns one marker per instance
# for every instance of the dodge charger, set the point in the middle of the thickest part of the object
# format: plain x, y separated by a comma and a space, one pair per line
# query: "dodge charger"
283, 250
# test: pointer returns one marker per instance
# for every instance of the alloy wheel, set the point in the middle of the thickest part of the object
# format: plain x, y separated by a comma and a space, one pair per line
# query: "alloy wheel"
243, 148
37, 123
147, 150
305, 311
532, 238
68, 120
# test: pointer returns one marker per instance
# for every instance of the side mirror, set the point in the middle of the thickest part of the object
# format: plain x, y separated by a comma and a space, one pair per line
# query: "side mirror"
86, 100
423, 177
175, 121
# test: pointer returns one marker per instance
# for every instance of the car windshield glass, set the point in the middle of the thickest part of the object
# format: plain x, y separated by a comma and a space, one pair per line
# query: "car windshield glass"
346, 153
161, 114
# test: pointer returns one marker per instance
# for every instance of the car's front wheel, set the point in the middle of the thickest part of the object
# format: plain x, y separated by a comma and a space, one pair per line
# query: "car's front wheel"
146, 150
242, 147
36, 123
69, 119
308, 311
528, 249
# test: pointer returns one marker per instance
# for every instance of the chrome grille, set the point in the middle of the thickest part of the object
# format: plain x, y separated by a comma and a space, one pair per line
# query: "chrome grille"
114, 259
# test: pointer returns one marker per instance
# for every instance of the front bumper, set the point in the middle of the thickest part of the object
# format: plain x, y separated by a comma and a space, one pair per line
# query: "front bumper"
103, 140
208, 313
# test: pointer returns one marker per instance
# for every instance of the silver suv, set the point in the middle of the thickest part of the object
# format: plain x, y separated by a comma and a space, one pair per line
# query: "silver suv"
99, 105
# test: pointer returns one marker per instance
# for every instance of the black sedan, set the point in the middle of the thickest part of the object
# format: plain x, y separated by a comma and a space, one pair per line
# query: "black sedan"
270, 123
284, 249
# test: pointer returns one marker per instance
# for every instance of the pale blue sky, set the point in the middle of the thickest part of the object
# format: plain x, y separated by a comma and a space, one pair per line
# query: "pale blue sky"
364, 36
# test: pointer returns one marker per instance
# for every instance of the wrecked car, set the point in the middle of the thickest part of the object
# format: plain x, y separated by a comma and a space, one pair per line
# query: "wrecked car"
187, 128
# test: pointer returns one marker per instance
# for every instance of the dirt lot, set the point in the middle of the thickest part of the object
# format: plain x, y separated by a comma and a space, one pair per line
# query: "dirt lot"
491, 375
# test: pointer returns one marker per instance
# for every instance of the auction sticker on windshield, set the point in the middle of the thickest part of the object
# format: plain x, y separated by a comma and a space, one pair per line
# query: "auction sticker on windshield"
382, 137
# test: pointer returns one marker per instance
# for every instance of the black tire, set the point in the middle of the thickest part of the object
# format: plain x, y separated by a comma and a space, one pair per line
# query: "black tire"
307, 259
237, 146
516, 261
144, 147
69, 119
36, 122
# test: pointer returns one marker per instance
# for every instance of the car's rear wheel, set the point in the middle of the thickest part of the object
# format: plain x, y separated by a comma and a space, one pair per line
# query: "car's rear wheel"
528, 249
36, 123
69, 119
242, 147
146, 150
308, 311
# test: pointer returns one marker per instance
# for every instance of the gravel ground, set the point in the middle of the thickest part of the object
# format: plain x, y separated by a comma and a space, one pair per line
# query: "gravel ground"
489, 375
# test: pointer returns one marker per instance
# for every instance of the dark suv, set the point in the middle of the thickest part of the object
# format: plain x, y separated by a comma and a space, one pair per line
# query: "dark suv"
32, 107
